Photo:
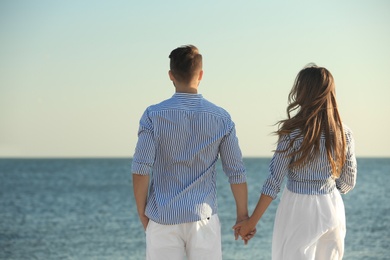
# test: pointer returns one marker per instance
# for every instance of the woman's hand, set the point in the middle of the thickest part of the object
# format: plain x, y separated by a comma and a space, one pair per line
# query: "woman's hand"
244, 230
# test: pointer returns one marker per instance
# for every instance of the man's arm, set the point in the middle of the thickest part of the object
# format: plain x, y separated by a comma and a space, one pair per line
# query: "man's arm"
233, 167
140, 187
240, 193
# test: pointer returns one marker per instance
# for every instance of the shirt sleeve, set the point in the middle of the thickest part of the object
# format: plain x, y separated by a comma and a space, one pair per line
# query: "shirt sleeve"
145, 150
278, 168
231, 158
347, 179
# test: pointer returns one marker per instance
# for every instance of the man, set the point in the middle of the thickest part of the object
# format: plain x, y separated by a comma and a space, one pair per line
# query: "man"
179, 142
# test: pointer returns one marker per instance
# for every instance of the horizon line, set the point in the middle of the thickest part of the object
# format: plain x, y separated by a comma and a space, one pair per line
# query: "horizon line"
131, 157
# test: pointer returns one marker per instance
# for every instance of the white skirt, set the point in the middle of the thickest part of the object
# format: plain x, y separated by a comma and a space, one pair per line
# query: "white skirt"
309, 227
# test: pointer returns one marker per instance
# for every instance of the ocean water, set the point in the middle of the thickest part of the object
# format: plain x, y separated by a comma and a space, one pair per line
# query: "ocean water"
84, 209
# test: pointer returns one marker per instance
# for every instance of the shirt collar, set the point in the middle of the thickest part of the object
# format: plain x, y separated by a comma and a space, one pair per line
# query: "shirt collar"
181, 95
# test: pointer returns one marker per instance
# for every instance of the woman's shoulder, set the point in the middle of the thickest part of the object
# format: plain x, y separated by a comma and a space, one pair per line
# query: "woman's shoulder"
294, 135
348, 133
347, 129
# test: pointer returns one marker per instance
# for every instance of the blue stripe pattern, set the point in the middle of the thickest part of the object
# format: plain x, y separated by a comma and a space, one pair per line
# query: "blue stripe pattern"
315, 177
179, 143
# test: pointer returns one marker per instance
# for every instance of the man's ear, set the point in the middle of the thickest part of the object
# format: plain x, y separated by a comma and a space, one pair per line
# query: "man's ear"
200, 75
171, 77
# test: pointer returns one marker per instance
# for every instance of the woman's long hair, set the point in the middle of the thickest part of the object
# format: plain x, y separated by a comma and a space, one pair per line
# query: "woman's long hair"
313, 99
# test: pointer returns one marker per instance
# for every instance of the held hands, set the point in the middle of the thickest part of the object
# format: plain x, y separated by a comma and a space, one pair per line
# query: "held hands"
247, 227
245, 230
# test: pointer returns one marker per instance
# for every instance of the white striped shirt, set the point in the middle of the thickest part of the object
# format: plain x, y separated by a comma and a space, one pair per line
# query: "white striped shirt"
179, 142
314, 177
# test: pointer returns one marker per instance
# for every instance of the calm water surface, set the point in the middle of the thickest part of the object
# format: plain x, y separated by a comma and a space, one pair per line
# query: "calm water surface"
84, 209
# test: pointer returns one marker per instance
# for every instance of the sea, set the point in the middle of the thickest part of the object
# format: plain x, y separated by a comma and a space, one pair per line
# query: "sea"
85, 209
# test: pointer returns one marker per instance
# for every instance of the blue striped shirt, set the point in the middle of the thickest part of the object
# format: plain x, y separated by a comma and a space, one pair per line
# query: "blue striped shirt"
314, 177
179, 143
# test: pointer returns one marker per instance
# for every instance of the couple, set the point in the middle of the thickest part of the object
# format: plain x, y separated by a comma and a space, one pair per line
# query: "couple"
174, 170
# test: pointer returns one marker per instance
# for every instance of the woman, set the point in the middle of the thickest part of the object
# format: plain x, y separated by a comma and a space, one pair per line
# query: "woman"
316, 152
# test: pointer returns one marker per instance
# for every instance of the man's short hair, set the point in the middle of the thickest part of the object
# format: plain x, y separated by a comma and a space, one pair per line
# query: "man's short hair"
186, 61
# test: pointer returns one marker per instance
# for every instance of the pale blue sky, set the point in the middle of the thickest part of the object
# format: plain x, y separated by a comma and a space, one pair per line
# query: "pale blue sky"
75, 76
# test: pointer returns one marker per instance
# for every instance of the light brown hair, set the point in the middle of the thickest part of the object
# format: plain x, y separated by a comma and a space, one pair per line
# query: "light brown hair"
185, 62
313, 100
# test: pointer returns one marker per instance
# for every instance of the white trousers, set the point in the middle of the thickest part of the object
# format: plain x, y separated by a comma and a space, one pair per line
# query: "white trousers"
199, 240
309, 227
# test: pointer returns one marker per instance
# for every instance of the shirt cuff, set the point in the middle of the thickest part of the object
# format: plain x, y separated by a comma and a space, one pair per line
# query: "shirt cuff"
269, 192
237, 179
140, 169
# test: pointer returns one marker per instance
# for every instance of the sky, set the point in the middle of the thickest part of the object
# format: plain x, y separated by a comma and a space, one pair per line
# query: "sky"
76, 76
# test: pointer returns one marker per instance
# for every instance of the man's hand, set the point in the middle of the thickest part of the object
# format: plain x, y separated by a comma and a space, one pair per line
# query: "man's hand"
140, 187
144, 220
237, 232
244, 230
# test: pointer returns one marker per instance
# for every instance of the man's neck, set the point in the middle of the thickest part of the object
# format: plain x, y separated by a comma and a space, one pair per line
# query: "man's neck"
187, 90
190, 88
